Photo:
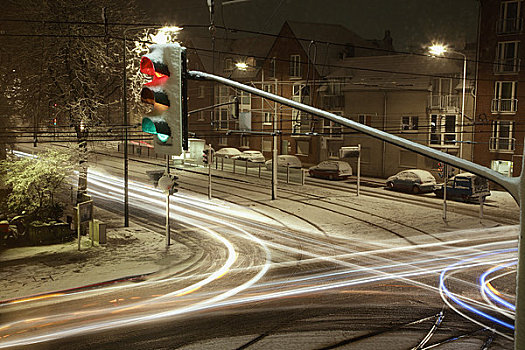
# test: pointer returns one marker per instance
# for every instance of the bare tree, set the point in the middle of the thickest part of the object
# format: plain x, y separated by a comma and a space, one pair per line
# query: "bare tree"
68, 61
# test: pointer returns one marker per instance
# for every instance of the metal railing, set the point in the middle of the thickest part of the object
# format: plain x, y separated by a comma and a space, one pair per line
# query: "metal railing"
445, 102
243, 167
508, 65
502, 144
504, 105
509, 25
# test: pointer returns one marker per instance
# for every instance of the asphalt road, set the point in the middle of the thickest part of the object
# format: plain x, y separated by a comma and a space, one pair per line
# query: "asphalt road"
262, 285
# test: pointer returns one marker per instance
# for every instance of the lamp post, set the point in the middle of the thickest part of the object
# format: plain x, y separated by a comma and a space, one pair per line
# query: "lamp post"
440, 50
243, 66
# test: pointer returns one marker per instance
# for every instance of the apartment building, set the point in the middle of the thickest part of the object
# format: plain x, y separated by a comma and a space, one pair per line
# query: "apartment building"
499, 114
291, 64
416, 97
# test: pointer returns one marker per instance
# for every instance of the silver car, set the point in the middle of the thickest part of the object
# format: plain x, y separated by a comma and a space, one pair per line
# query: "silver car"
284, 161
251, 156
413, 181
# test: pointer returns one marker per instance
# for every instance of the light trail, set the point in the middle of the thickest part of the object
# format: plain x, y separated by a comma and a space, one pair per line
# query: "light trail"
447, 294
181, 292
226, 298
487, 289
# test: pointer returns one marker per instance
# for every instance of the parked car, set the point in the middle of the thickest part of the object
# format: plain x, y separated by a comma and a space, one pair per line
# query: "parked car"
331, 170
283, 161
465, 187
251, 156
413, 180
227, 152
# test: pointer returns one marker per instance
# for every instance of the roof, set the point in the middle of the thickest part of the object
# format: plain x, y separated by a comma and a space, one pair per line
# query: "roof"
237, 46
341, 42
404, 71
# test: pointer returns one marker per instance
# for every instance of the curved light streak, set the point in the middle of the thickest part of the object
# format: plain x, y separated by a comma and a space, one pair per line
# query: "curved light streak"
444, 291
486, 289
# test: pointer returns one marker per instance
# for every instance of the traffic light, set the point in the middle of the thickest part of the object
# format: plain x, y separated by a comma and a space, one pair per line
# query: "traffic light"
207, 155
166, 64
167, 183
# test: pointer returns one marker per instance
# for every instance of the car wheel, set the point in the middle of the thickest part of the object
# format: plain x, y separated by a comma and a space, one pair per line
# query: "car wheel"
416, 190
390, 185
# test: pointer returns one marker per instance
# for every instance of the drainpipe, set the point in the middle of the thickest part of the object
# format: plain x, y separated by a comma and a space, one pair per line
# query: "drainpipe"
384, 129
475, 91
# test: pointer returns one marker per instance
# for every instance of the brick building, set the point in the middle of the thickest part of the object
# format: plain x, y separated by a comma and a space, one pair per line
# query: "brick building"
499, 115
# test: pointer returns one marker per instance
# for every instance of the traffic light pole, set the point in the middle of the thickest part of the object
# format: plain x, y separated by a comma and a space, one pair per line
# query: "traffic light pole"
210, 161
514, 185
167, 204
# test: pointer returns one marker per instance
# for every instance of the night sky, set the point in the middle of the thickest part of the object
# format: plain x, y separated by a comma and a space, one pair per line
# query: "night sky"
413, 23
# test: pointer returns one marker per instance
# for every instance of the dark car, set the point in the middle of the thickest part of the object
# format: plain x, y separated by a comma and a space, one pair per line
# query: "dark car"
331, 170
413, 181
465, 187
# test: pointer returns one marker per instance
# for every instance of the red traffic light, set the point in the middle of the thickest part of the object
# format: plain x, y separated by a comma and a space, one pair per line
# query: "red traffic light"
158, 71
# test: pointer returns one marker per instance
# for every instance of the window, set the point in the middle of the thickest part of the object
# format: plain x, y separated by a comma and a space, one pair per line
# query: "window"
503, 167
245, 102
502, 138
271, 70
228, 64
365, 119
222, 112
507, 60
223, 141
267, 145
250, 61
268, 118
299, 122
269, 88
409, 123
200, 116
295, 66
443, 130
509, 17
202, 92
303, 147
332, 129
443, 95
245, 141
505, 100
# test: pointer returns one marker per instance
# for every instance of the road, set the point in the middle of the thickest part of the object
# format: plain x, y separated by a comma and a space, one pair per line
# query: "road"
258, 282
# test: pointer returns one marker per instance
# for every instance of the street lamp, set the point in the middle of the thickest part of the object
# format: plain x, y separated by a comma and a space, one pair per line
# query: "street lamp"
440, 50
241, 66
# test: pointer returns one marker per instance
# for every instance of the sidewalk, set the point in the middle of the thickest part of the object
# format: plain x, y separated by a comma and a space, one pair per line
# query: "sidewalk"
130, 251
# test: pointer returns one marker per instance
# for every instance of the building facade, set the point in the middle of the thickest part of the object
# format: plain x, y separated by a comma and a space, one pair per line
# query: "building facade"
499, 113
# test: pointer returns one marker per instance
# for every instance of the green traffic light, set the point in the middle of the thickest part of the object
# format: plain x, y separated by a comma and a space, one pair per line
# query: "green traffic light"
156, 126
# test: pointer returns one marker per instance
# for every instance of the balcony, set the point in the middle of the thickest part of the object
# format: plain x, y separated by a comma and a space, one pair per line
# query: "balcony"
509, 25
506, 66
448, 103
504, 105
502, 144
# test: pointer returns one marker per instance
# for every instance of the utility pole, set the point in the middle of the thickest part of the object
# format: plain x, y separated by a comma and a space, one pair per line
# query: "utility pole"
210, 162
168, 203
